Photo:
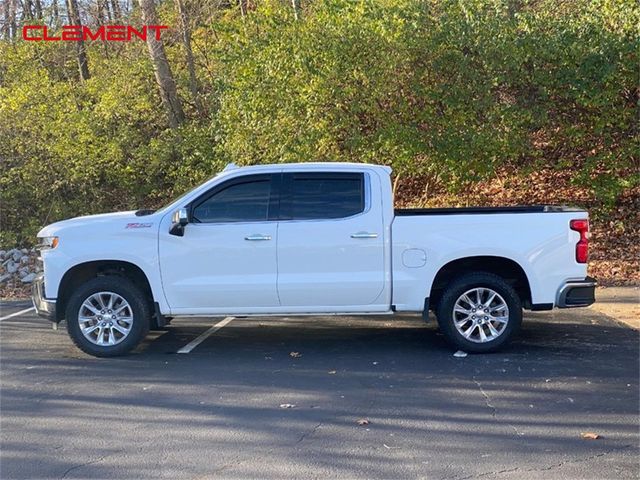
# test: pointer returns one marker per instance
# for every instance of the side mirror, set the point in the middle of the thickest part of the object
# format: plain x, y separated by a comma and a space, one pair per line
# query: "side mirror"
179, 220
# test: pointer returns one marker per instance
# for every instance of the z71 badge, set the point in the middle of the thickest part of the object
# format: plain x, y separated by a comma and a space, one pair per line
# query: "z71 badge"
138, 225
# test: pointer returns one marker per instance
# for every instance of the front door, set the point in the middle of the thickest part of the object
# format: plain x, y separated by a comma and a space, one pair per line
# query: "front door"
226, 260
330, 241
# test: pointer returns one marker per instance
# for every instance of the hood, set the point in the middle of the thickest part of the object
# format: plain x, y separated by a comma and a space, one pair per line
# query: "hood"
127, 219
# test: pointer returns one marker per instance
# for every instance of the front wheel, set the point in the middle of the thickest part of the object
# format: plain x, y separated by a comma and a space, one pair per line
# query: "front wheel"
479, 312
107, 316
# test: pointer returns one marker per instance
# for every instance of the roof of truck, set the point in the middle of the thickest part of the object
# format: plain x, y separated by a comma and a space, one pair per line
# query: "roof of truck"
307, 166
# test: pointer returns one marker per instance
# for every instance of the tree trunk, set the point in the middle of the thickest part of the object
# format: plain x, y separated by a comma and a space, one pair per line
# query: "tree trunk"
27, 10
99, 12
38, 5
13, 25
12, 18
161, 68
396, 184
103, 17
55, 16
115, 8
296, 8
107, 7
6, 11
74, 19
186, 41
243, 8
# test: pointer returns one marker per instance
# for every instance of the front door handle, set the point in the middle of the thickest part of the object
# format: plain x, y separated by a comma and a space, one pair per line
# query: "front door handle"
364, 235
256, 237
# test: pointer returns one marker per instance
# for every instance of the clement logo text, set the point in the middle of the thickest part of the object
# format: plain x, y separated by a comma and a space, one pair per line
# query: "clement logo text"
76, 33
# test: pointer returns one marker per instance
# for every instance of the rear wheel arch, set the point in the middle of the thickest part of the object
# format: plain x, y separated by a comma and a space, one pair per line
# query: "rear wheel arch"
509, 270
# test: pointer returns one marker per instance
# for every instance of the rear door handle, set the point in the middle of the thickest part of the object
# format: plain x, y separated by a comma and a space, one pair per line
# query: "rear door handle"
257, 237
364, 235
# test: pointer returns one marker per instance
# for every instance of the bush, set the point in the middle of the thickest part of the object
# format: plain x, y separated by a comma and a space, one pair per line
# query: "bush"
440, 89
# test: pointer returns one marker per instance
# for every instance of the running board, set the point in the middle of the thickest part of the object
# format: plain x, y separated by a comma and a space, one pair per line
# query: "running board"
297, 314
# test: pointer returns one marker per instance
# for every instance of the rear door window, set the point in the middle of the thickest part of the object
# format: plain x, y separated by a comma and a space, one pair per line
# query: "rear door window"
315, 196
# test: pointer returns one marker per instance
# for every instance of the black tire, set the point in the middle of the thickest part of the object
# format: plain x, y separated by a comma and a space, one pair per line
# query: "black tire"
126, 289
456, 289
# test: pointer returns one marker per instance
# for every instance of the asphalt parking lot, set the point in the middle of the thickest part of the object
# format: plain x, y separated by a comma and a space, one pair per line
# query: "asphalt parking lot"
218, 411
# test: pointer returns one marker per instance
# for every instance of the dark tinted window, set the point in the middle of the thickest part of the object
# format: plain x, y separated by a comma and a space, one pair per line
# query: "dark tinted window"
241, 202
319, 195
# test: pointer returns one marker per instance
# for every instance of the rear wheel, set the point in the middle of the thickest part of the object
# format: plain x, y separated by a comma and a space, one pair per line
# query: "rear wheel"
479, 312
108, 316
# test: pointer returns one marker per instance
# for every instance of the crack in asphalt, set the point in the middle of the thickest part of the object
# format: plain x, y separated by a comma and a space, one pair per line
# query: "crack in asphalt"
309, 433
97, 460
487, 399
584, 459
236, 461
494, 410
542, 469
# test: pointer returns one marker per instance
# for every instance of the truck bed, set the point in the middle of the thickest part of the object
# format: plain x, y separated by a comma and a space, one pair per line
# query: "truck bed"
408, 212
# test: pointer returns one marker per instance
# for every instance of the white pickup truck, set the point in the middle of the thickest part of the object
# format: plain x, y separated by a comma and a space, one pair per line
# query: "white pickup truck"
308, 239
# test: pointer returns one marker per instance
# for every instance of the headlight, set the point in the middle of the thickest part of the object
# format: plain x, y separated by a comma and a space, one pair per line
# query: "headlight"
48, 243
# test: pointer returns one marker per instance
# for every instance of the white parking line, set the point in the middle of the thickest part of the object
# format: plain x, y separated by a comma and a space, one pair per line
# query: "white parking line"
17, 313
194, 343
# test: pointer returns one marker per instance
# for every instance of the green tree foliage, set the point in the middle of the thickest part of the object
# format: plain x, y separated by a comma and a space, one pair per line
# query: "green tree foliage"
448, 90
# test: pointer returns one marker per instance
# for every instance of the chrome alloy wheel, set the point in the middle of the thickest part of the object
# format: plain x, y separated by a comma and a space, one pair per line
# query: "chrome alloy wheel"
105, 318
480, 315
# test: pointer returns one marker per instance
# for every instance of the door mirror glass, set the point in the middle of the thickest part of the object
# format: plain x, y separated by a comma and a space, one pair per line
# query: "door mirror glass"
179, 219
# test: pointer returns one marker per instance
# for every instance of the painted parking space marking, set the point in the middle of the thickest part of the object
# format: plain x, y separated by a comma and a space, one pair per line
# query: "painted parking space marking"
194, 343
26, 310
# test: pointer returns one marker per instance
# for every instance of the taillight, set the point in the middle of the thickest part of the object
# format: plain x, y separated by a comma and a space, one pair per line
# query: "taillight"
582, 247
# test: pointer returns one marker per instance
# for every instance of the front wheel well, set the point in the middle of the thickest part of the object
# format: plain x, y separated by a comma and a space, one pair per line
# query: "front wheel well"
505, 268
81, 273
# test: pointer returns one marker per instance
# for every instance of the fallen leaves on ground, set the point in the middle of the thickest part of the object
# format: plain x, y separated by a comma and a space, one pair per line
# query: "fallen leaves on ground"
590, 436
363, 421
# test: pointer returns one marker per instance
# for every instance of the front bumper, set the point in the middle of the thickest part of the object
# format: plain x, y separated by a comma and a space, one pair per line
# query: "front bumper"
44, 307
577, 293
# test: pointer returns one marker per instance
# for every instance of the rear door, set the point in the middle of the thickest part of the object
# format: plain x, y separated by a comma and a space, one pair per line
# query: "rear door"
330, 241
